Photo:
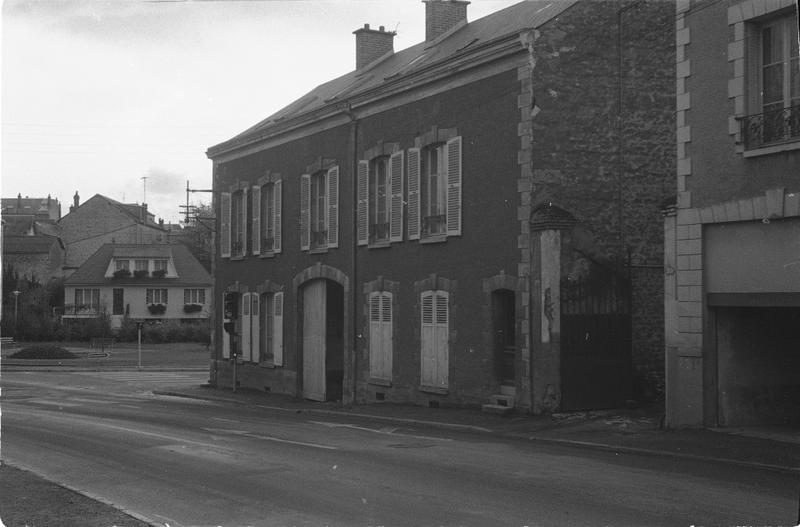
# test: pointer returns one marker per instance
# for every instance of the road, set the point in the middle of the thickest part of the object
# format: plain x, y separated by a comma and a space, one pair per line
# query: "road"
182, 462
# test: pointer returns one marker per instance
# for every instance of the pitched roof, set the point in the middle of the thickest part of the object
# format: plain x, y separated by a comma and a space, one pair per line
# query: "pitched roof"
189, 270
529, 14
28, 244
133, 210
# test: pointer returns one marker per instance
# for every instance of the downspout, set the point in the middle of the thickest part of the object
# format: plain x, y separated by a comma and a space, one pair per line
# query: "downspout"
354, 246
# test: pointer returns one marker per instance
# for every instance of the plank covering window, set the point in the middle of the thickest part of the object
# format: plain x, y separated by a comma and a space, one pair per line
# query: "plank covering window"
434, 335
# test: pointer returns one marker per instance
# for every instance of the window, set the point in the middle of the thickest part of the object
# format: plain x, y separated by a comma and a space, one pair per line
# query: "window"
434, 190
380, 200
87, 300
156, 296
122, 264
270, 217
319, 210
272, 328
140, 265
378, 207
776, 60
380, 335
160, 265
434, 336
194, 296
238, 223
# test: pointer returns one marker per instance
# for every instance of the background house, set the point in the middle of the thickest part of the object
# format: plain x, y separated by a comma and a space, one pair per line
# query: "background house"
404, 232
41, 208
101, 220
140, 282
32, 247
732, 256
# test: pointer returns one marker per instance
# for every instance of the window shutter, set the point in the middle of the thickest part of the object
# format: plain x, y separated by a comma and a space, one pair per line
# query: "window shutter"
454, 186
224, 337
396, 204
164, 295
305, 212
362, 211
148, 297
225, 225
187, 296
442, 338
255, 328
386, 336
276, 215
256, 229
243, 223
333, 207
245, 318
427, 340
413, 193
375, 341
277, 334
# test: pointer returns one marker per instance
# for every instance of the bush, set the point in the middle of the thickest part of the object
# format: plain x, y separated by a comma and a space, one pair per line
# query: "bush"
141, 273
157, 309
192, 308
122, 273
43, 351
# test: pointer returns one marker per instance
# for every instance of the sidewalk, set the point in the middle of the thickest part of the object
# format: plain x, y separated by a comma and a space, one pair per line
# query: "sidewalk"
639, 431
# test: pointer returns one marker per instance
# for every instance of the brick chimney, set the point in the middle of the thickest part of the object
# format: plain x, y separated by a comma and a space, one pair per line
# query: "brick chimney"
76, 201
442, 15
371, 44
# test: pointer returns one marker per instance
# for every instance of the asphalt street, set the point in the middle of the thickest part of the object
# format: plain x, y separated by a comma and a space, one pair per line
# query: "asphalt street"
181, 462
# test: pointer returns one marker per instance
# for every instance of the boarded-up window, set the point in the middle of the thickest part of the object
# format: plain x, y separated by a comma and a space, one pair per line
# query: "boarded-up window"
434, 336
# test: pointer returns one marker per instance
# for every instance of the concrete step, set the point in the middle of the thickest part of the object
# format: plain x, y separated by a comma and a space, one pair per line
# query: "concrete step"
503, 400
497, 409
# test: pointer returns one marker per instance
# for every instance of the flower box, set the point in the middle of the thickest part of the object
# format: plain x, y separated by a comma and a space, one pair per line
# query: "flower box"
192, 308
121, 273
157, 309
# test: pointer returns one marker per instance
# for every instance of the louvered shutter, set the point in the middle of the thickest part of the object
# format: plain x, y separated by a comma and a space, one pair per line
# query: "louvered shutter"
305, 212
256, 215
442, 338
427, 340
362, 207
333, 207
396, 203
413, 193
243, 223
386, 336
225, 225
375, 341
255, 327
454, 186
276, 215
226, 340
245, 319
277, 331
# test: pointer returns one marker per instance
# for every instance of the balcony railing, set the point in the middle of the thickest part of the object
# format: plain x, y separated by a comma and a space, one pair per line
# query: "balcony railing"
770, 128
81, 310
378, 232
434, 224
319, 238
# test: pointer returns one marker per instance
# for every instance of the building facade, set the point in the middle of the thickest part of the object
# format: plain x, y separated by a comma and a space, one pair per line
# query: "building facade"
732, 240
402, 233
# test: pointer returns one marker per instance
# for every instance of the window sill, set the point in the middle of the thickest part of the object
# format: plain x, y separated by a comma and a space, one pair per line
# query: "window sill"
434, 238
379, 382
773, 149
318, 250
267, 254
433, 389
237, 258
383, 244
267, 364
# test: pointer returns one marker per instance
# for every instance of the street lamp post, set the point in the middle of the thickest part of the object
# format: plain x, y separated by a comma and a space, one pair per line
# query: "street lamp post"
16, 298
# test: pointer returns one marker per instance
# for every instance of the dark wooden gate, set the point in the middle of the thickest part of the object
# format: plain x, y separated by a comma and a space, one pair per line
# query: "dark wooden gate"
595, 341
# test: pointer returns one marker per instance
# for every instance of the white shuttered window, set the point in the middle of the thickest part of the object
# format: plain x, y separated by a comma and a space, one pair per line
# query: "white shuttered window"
434, 333
380, 335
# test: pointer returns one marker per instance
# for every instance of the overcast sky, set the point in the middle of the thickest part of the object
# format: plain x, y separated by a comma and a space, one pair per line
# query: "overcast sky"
97, 94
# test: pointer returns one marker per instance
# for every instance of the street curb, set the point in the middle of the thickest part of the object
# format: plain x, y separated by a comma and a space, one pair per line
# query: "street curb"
86, 494
513, 435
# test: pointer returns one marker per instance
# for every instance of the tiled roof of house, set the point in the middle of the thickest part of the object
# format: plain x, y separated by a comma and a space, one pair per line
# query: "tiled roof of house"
25, 224
189, 270
130, 209
28, 244
528, 14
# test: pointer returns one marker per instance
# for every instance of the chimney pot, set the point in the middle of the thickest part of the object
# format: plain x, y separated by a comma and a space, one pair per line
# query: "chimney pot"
371, 44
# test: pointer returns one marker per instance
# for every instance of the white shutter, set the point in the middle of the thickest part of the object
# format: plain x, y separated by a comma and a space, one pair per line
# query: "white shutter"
243, 222
226, 338
362, 210
276, 215
256, 230
305, 212
413, 193
277, 331
375, 341
244, 310
255, 328
454, 186
427, 340
333, 207
225, 225
386, 336
396, 197
442, 339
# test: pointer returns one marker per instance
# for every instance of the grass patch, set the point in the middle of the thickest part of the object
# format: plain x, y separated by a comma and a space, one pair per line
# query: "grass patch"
43, 351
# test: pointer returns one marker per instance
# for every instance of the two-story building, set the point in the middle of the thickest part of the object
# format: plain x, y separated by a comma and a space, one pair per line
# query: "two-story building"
475, 218
148, 282
732, 240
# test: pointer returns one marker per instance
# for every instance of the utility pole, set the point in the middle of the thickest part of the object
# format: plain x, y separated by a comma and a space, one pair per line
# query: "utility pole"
187, 206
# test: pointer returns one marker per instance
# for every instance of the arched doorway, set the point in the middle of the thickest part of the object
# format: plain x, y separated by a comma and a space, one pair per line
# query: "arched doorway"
322, 310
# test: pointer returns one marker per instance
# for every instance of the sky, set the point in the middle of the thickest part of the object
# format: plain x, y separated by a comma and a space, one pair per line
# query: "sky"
123, 98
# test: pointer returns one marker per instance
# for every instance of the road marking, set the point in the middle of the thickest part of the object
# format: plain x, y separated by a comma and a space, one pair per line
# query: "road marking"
252, 435
48, 402
386, 431
142, 375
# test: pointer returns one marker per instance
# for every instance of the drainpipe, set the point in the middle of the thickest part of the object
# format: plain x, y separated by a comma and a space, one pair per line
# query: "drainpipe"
354, 246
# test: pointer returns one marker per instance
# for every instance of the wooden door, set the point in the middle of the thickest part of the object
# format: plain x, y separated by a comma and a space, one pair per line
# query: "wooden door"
314, 325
